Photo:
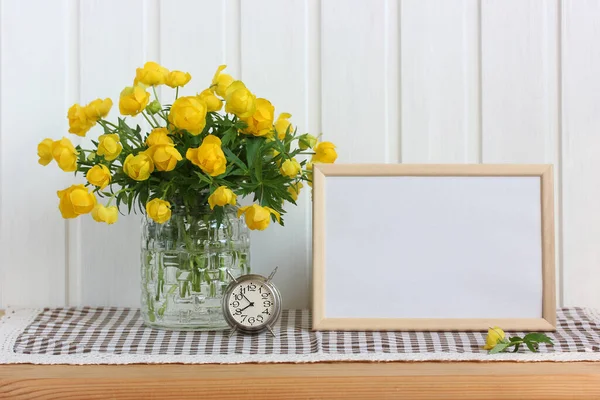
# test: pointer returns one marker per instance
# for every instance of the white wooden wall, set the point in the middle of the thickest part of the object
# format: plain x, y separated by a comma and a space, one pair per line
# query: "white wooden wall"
413, 81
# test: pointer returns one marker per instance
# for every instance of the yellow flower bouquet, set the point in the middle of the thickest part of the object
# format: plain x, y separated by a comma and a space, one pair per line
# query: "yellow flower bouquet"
193, 157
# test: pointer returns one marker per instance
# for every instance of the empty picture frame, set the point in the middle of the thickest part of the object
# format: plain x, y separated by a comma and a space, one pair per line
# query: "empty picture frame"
433, 247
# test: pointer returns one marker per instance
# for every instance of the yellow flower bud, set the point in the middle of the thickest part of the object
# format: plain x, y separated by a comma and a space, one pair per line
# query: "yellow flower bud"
324, 153
100, 213
221, 82
261, 122
109, 146
75, 201
221, 196
44, 151
158, 136
290, 168
151, 74
153, 107
79, 122
138, 167
257, 217
164, 156
188, 113
65, 155
494, 336
177, 78
98, 175
209, 156
213, 103
98, 109
239, 100
133, 100
159, 210
306, 141
282, 125
294, 190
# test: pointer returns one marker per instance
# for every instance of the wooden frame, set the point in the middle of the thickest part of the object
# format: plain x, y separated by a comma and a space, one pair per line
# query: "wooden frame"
546, 323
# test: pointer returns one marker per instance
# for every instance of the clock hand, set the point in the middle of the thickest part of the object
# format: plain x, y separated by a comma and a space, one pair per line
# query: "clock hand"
244, 296
249, 305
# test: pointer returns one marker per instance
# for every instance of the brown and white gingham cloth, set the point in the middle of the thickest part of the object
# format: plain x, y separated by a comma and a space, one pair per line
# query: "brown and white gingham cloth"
118, 335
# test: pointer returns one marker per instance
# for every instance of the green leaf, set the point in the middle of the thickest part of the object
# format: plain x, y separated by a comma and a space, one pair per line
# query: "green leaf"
515, 339
537, 337
531, 347
517, 346
500, 347
235, 159
228, 137
252, 147
203, 177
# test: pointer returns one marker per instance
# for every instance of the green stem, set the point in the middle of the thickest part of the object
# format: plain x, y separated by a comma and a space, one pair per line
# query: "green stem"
154, 119
150, 122
177, 93
110, 199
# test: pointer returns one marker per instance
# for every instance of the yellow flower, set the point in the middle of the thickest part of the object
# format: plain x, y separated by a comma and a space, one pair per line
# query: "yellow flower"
282, 124
98, 109
294, 190
239, 100
158, 136
164, 156
109, 146
44, 151
306, 141
325, 153
133, 100
188, 113
177, 78
65, 155
221, 196
75, 201
261, 122
138, 167
221, 82
79, 122
159, 210
213, 103
495, 335
100, 213
290, 168
98, 175
209, 156
151, 74
257, 217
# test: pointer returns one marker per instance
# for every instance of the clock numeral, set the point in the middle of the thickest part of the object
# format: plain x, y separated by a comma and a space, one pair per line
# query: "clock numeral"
267, 303
252, 287
251, 320
259, 318
238, 296
265, 295
266, 312
260, 289
244, 316
235, 304
238, 311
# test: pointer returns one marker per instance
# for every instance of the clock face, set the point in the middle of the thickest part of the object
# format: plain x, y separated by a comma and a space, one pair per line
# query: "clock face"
251, 303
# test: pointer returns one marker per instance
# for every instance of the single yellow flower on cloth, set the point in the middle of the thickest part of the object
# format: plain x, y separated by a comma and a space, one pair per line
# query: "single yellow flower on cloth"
75, 201
188, 113
257, 217
98, 109
98, 175
65, 154
133, 100
79, 122
290, 168
221, 82
159, 210
44, 151
158, 136
209, 156
294, 190
164, 156
222, 196
282, 125
151, 74
213, 103
261, 122
138, 167
495, 335
306, 141
109, 146
177, 78
325, 153
239, 100
100, 213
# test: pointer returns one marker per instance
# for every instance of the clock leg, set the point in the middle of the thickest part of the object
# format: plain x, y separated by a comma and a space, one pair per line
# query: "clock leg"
232, 331
271, 330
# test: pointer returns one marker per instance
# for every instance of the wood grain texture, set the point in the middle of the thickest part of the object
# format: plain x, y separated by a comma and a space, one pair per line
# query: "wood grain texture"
300, 381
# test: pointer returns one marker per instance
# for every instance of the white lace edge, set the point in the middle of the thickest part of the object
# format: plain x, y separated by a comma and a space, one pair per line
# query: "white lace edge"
16, 320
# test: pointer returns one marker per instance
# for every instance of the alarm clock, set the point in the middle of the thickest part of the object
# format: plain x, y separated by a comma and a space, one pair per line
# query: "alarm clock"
251, 303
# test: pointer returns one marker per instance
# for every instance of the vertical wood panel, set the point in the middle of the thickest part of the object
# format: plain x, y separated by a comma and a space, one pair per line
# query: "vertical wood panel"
580, 152
33, 101
273, 43
440, 81
110, 259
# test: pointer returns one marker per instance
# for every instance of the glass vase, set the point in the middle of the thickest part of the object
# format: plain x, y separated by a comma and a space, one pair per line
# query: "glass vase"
184, 267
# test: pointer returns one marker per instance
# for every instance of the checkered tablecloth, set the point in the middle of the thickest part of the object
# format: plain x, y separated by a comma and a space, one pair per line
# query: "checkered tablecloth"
117, 336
